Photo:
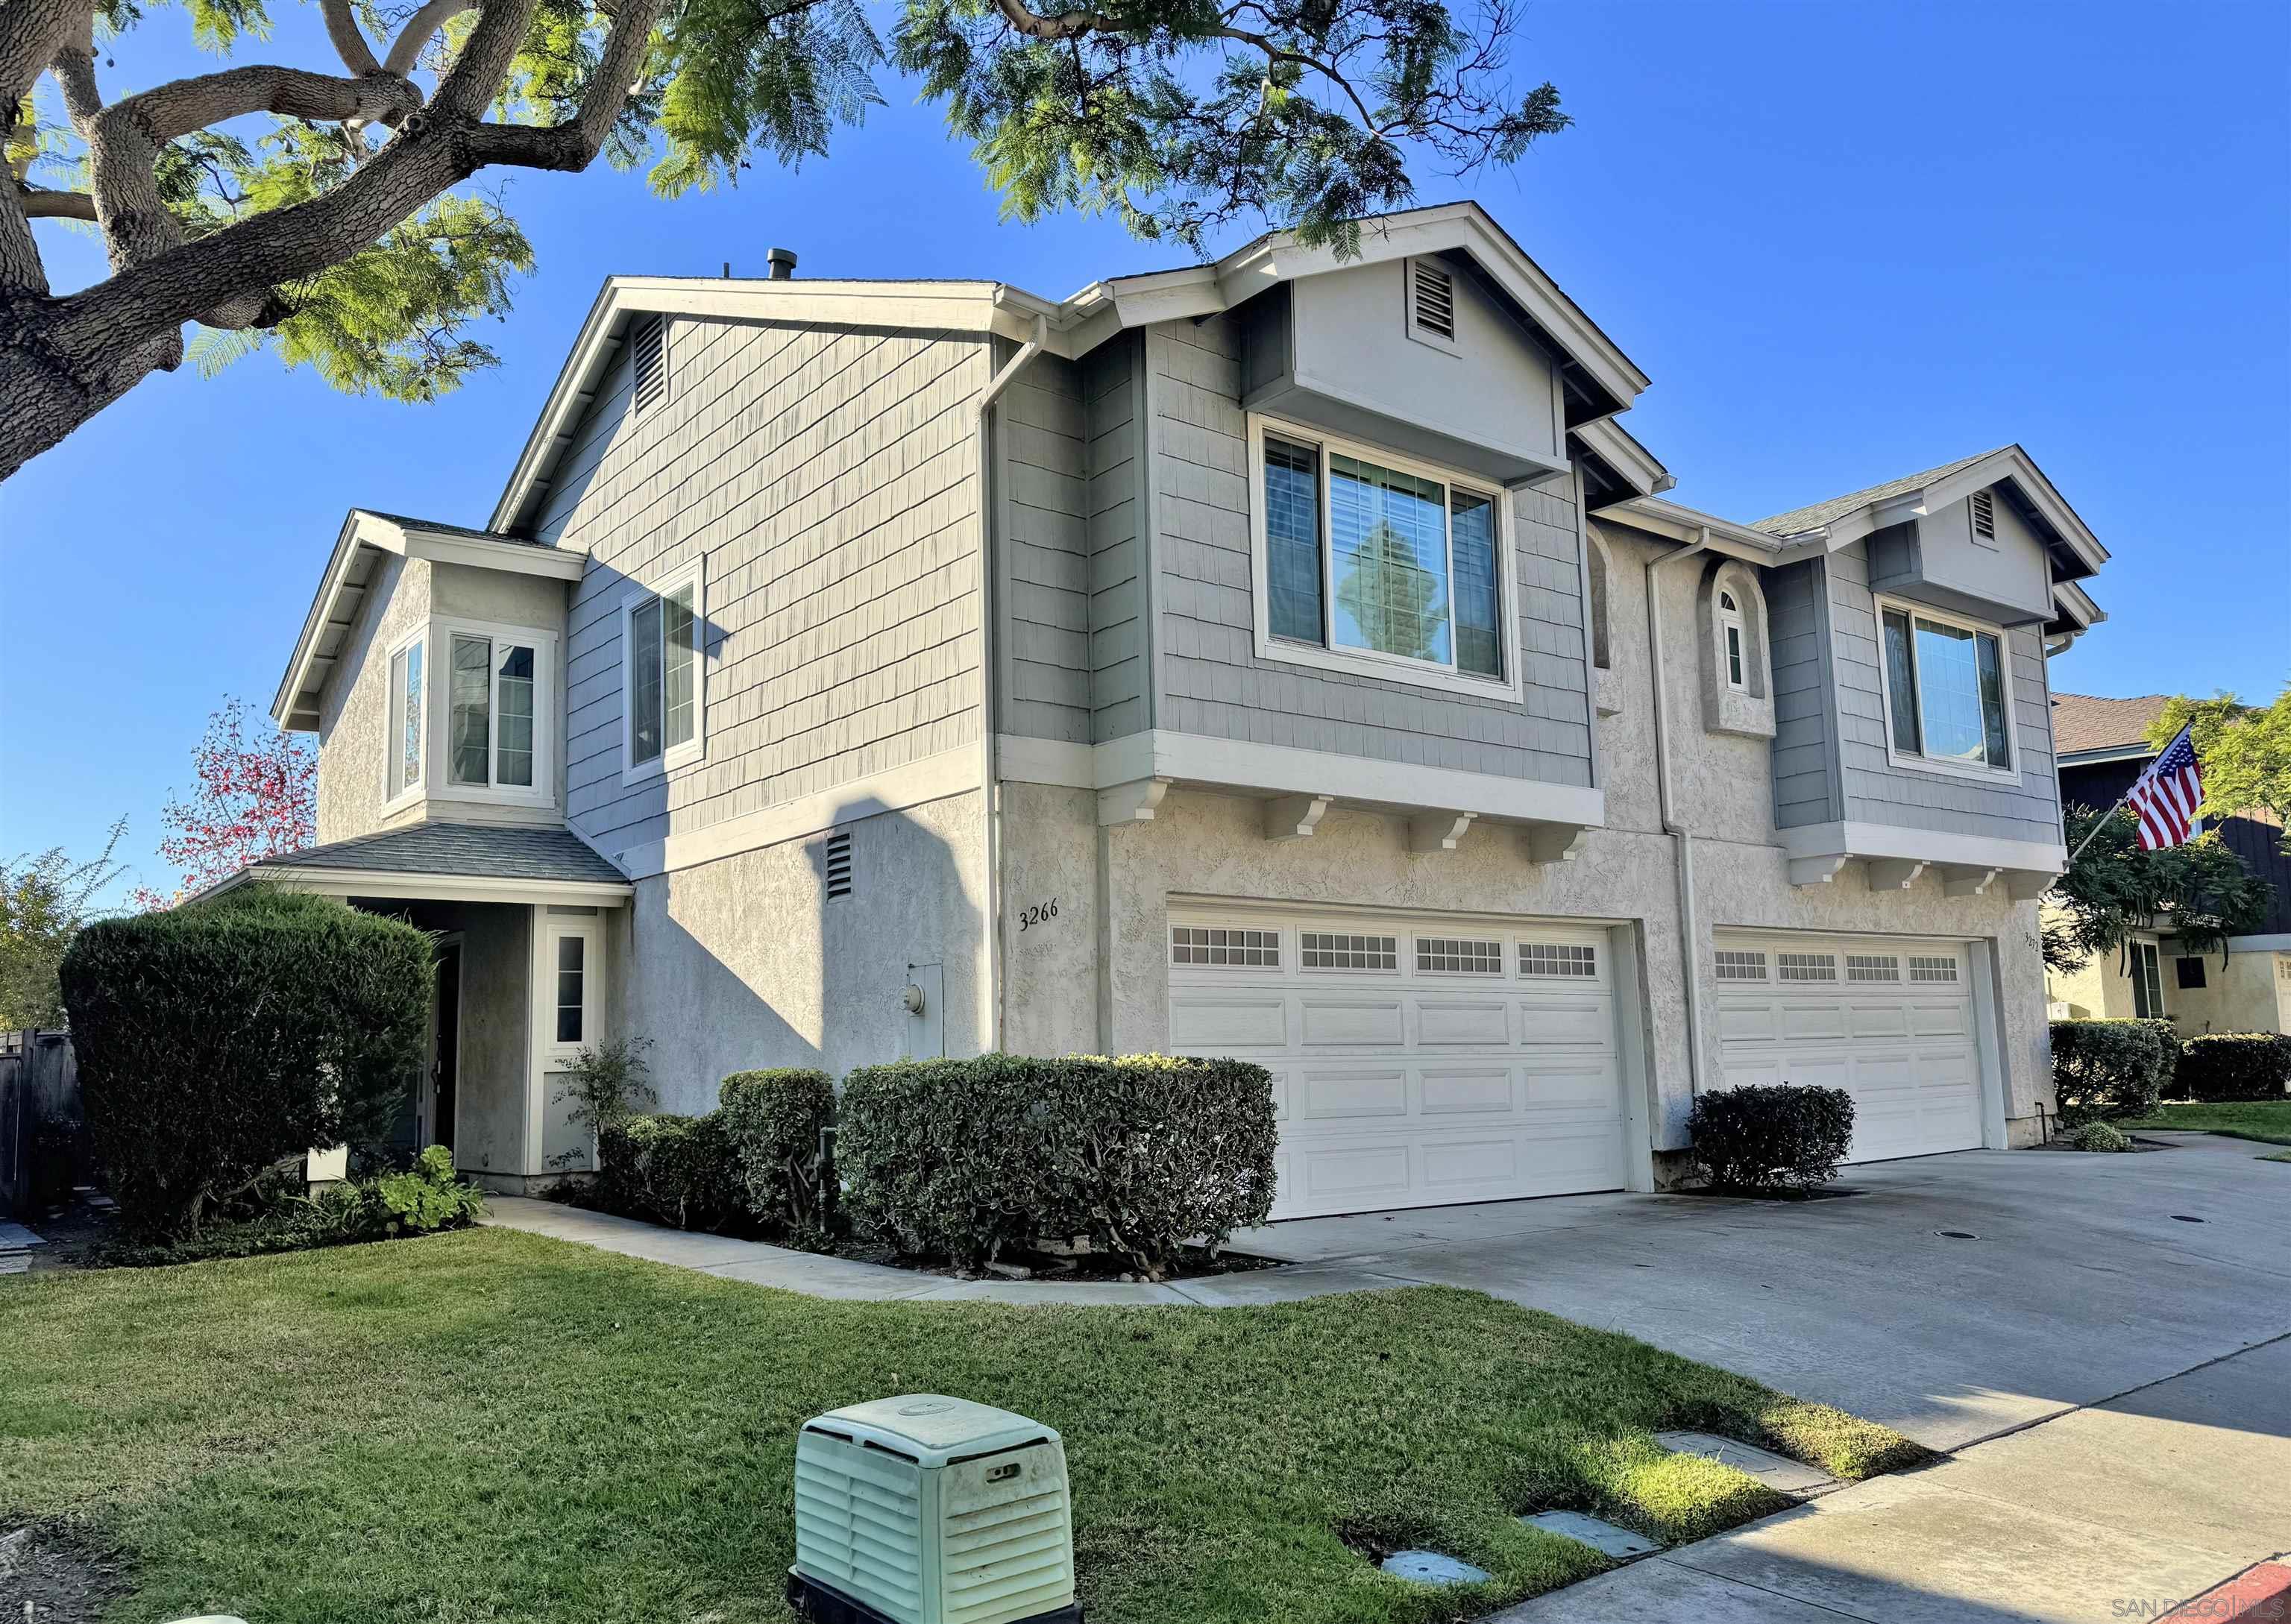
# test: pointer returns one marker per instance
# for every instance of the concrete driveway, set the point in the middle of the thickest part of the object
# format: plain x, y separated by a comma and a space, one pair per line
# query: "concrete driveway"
2110, 1382
2082, 1281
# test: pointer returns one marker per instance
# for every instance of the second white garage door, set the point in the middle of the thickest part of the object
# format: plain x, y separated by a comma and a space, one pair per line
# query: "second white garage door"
1889, 1021
1416, 1062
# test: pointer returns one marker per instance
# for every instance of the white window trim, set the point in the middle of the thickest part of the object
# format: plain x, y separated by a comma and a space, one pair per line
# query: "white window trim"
1730, 620
396, 799
1362, 662
1447, 346
1919, 763
2152, 946
674, 756
546, 692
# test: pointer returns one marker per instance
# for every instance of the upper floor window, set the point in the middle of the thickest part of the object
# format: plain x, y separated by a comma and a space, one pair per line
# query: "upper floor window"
403, 744
1731, 641
661, 691
490, 713
1371, 563
1948, 694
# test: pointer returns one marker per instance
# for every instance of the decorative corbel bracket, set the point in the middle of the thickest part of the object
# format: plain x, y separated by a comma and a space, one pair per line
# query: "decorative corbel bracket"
1548, 843
1134, 802
1815, 870
1893, 873
1967, 881
1430, 832
1294, 818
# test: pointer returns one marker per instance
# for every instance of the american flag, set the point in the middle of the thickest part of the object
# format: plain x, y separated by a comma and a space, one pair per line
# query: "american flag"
2167, 795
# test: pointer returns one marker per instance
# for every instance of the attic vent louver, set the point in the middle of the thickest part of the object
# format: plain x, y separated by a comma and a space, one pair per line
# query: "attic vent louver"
1984, 515
838, 865
649, 351
1436, 299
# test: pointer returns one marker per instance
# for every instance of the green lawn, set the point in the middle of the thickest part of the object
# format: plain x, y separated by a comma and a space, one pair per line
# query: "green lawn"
2267, 1121
492, 1425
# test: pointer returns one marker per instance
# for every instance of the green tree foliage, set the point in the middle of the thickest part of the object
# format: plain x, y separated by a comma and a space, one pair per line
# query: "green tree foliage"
2245, 752
2114, 888
45, 901
327, 213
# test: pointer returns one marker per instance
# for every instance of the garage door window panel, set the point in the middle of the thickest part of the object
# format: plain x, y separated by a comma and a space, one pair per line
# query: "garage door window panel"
1221, 946
1561, 959
1808, 967
1738, 965
1320, 950
1458, 956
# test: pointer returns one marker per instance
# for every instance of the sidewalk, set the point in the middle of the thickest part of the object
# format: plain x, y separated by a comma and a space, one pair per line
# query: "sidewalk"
2118, 1511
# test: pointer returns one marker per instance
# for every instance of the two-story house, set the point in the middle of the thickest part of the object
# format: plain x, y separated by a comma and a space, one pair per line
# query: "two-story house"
1285, 657
2103, 746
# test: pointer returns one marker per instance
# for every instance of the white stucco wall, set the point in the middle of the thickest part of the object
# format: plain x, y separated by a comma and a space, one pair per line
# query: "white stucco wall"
356, 713
746, 962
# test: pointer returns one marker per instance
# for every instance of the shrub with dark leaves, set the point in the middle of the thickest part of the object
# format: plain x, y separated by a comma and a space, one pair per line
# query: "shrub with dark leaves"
668, 1169
2235, 1065
1768, 1139
775, 1122
2103, 1069
967, 1159
223, 1039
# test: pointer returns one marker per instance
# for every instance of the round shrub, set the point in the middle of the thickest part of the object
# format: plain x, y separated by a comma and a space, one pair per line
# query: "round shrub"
223, 1039
2102, 1069
672, 1169
774, 1122
2232, 1066
1772, 1138
2097, 1136
964, 1159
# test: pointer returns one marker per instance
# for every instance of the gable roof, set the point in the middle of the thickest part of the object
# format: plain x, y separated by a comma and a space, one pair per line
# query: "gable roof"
2076, 552
1598, 378
367, 537
2083, 722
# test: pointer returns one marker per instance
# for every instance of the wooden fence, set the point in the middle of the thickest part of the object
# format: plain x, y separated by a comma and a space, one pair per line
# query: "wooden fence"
42, 1143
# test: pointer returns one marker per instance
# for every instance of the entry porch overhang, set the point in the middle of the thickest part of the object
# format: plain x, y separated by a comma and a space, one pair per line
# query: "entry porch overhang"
435, 861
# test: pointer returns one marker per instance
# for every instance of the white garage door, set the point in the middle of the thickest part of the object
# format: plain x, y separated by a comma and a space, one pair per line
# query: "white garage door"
1889, 1021
1416, 1062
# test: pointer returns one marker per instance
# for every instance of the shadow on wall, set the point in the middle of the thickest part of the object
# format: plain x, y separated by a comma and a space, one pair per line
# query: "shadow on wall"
800, 954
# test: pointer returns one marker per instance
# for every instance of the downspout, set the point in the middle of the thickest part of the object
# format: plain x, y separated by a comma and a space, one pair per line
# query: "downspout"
990, 496
1689, 934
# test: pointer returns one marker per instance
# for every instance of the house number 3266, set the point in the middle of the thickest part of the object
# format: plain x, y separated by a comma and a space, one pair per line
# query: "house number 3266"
1040, 914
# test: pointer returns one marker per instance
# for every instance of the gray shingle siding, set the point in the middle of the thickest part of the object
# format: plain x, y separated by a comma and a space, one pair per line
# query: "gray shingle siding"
828, 477
1213, 682
1806, 744
1112, 391
1876, 791
1041, 443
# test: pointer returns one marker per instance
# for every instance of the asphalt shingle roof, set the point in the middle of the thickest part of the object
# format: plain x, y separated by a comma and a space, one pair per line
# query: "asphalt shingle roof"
1838, 507
2087, 721
486, 850
445, 530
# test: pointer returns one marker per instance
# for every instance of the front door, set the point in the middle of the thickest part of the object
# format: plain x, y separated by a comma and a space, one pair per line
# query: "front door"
445, 1047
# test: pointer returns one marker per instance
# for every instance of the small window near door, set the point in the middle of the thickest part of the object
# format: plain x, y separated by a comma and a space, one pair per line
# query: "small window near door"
2189, 972
571, 977
2146, 981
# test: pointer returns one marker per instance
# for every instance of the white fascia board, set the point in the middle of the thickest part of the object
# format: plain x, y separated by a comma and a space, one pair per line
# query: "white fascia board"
2015, 464
292, 683
1674, 522
2108, 752
508, 558
1279, 769
1612, 444
1853, 839
434, 888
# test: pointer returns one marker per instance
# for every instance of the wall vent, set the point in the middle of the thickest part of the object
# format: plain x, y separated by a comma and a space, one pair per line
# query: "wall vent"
648, 360
1984, 515
1434, 300
839, 864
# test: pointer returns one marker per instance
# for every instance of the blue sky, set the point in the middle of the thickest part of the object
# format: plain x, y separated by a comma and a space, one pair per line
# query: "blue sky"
1847, 242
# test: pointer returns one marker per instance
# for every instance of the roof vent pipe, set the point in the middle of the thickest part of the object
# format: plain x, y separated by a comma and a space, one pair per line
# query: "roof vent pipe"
783, 263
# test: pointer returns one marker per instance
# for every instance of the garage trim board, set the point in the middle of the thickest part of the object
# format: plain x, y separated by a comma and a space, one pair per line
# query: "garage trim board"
1888, 1019
1417, 1060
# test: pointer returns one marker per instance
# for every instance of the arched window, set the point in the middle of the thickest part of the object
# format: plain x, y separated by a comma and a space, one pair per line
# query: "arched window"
1733, 662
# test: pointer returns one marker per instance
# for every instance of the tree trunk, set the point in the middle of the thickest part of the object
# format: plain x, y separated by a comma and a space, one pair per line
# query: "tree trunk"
49, 394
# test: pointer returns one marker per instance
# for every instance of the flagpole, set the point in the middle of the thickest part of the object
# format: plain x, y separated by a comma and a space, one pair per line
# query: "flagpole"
2099, 824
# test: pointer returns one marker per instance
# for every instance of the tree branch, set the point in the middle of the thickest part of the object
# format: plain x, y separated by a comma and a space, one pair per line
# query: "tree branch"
349, 39
31, 31
21, 270
405, 51
1065, 25
38, 203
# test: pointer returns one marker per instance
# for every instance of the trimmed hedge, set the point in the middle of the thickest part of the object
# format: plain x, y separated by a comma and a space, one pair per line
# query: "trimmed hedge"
1772, 1138
672, 1169
222, 1038
774, 1122
967, 1159
2235, 1065
2103, 1069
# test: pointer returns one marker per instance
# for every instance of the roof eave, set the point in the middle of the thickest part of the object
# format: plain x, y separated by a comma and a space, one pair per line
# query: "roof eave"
1633, 465
1690, 527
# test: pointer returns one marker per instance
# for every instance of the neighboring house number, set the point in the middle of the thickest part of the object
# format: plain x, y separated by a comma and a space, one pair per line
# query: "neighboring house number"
1041, 914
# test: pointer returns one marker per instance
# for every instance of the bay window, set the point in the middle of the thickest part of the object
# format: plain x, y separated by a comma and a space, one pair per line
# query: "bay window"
1369, 562
490, 714
403, 742
662, 689
1947, 695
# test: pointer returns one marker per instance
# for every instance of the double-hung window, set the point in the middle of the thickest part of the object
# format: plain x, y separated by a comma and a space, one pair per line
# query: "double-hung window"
1371, 562
662, 680
1947, 695
489, 718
